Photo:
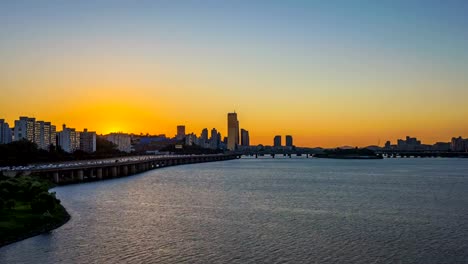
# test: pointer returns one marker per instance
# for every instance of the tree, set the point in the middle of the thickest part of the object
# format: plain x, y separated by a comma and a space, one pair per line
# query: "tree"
43, 202
10, 204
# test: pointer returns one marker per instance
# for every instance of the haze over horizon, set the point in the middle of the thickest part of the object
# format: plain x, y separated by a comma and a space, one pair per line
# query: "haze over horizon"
330, 74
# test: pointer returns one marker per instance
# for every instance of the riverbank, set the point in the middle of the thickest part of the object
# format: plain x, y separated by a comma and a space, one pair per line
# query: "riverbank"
27, 209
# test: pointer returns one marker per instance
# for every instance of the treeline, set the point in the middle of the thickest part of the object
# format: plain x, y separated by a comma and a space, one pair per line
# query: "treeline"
25, 152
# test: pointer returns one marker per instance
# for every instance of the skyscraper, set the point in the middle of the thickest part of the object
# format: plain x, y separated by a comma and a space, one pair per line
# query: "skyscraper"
289, 141
233, 131
245, 139
277, 141
180, 132
214, 140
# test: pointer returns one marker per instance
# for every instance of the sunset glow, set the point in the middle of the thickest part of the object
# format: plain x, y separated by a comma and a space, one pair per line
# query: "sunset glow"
329, 75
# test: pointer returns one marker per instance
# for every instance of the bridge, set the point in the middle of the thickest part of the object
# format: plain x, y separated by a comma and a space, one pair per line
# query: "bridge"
421, 154
93, 170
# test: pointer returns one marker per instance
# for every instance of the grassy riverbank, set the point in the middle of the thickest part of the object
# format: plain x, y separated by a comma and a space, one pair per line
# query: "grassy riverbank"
28, 209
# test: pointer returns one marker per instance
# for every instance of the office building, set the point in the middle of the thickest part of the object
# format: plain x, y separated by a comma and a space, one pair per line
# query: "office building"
5, 132
277, 141
214, 139
180, 132
88, 141
204, 137
123, 141
68, 139
233, 131
245, 139
289, 141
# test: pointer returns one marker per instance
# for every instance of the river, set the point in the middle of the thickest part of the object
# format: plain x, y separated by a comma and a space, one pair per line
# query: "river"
264, 211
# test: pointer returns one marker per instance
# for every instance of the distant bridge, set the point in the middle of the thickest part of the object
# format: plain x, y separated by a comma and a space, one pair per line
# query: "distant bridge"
75, 172
421, 154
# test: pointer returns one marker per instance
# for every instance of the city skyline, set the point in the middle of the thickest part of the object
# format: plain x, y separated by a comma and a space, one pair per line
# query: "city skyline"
329, 74
180, 132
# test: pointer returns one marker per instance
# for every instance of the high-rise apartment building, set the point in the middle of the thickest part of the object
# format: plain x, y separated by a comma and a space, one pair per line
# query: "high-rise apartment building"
68, 139
88, 141
25, 128
40, 132
277, 141
44, 134
245, 139
233, 131
289, 141
459, 144
180, 132
123, 141
5, 132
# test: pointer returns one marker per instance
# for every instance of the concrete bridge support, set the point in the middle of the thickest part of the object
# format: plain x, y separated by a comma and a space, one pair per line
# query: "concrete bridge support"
113, 172
124, 170
99, 173
79, 175
56, 177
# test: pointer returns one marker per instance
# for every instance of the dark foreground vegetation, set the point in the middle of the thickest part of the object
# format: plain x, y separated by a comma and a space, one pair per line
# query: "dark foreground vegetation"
356, 153
28, 209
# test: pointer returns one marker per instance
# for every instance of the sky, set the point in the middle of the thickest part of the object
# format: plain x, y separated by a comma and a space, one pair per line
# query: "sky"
330, 73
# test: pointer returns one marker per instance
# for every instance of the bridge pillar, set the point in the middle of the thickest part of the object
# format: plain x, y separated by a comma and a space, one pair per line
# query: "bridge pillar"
273, 155
56, 177
256, 156
125, 170
113, 171
80, 175
289, 155
132, 169
99, 173
307, 155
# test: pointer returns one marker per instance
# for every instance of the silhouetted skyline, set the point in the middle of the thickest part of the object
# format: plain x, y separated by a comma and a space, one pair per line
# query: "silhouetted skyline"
328, 73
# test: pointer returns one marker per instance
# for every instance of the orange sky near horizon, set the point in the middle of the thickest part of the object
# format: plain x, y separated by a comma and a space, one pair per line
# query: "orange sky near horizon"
327, 74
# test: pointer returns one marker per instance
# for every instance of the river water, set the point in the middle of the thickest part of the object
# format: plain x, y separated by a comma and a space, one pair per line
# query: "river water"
264, 211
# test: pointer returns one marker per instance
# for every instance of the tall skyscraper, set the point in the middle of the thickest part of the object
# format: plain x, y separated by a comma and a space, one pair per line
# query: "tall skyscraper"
245, 139
180, 132
233, 131
277, 141
5, 132
289, 141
